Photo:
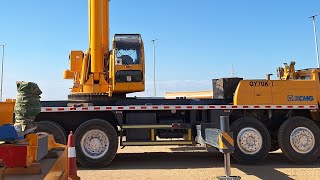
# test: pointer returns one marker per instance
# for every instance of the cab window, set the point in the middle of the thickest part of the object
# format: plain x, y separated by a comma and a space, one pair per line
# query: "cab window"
129, 53
304, 78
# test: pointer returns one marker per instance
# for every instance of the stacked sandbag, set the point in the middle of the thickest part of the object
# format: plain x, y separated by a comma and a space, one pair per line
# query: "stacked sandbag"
27, 105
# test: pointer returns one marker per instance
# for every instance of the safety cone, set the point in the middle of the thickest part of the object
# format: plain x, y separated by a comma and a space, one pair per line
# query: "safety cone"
72, 162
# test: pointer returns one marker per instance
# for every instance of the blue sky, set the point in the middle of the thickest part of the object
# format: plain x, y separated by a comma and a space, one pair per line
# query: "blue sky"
198, 40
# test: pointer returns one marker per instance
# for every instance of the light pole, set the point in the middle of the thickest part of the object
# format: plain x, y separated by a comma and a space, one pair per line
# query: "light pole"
315, 37
154, 67
3, 45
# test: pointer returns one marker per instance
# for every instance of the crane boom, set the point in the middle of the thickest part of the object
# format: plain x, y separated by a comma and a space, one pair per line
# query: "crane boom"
96, 17
105, 27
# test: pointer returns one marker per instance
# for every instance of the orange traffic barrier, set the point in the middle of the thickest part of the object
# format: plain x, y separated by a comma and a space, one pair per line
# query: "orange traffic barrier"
72, 162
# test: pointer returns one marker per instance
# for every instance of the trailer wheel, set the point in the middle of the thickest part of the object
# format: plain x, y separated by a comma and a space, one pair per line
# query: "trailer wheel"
53, 128
299, 140
252, 140
96, 143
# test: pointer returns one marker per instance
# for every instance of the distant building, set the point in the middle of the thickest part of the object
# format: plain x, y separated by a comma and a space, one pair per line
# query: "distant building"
190, 95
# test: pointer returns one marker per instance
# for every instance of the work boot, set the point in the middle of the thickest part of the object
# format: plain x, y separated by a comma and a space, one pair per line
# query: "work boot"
24, 127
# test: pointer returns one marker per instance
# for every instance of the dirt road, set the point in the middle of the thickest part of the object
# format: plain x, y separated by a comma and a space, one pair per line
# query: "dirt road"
176, 162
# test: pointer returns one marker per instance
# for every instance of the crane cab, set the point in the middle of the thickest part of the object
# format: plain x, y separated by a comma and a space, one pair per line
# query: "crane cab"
126, 73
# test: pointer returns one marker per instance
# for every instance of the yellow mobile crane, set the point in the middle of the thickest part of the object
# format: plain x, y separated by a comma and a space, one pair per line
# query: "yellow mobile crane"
100, 72
264, 114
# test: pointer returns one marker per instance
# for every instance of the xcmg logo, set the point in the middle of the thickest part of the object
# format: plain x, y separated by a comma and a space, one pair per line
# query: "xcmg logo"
300, 98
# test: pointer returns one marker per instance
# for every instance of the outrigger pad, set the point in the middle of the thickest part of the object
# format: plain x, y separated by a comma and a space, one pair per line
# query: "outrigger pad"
9, 133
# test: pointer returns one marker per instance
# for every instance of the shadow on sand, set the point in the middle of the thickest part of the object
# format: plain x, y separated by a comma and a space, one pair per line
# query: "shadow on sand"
190, 160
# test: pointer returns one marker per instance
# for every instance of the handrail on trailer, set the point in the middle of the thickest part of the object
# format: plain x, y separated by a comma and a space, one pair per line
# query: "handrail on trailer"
174, 107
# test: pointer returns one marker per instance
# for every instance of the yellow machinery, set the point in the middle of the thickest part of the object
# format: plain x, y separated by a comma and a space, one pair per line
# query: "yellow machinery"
27, 156
293, 88
100, 72
6, 111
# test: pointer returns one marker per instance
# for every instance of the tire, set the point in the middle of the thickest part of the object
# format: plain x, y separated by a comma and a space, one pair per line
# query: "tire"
291, 146
245, 128
53, 128
105, 137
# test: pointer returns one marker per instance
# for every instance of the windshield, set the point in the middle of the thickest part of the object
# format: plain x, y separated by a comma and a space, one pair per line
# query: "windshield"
304, 77
129, 53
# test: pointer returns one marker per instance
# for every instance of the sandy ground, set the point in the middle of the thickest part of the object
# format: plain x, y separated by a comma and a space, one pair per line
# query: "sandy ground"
178, 162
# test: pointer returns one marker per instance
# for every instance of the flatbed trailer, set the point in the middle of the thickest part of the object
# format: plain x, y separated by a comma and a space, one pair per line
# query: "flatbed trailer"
101, 126
54, 166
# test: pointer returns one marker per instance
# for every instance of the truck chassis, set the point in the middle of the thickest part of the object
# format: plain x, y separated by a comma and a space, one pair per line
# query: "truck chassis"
100, 126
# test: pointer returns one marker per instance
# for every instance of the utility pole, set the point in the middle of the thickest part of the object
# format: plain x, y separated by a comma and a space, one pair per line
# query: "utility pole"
3, 45
233, 72
154, 67
315, 37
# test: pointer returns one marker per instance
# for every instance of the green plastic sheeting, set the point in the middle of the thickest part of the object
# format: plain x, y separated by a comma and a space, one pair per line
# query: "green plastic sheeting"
27, 105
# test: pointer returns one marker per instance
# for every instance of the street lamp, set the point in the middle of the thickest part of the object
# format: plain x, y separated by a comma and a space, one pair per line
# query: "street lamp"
3, 45
315, 37
154, 67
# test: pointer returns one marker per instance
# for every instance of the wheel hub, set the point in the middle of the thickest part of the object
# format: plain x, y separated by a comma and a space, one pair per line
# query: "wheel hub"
302, 140
95, 144
249, 140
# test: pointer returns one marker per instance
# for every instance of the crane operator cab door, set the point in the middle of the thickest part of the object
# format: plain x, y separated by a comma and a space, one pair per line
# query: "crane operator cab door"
127, 64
